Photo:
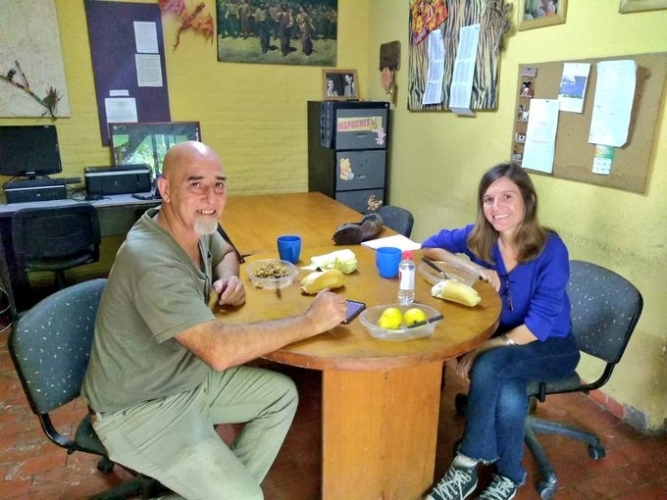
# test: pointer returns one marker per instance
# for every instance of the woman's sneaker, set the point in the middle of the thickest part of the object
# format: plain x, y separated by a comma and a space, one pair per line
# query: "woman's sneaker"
457, 484
500, 488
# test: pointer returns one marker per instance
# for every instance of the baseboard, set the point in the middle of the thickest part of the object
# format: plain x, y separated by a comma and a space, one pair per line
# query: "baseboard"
627, 413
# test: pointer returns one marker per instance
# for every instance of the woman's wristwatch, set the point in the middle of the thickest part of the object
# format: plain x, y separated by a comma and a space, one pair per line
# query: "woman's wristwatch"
507, 340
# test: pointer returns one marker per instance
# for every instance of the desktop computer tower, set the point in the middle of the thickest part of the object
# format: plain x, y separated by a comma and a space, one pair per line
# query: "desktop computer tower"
35, 193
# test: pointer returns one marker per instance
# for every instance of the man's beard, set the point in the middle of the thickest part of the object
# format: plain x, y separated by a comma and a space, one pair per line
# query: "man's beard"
205, 225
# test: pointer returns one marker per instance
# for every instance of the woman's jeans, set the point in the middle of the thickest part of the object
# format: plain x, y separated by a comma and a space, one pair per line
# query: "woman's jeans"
497, 400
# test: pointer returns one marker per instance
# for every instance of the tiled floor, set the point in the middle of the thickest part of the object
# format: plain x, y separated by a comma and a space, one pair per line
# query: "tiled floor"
635, 467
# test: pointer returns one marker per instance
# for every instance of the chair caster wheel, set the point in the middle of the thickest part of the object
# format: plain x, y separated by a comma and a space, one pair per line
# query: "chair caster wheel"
461, 403
104, 465
596, 452
546, 490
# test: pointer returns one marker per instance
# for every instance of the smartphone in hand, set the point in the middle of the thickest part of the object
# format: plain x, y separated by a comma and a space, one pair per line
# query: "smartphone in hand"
354, 307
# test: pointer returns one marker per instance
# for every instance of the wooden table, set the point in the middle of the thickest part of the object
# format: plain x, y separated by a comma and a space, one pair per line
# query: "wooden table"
380, 399
254, 222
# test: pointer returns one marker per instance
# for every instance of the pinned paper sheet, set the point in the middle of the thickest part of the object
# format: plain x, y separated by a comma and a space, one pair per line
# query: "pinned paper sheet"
464, 70
573, 86
398, 241
614, 96
604, 157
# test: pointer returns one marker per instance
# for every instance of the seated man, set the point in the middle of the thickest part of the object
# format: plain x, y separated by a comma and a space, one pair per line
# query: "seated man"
163, 370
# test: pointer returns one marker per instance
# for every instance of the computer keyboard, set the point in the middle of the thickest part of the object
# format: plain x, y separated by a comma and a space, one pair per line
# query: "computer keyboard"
41, 182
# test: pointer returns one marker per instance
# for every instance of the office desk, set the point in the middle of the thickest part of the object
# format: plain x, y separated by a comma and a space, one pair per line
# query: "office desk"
116, 213
380, 399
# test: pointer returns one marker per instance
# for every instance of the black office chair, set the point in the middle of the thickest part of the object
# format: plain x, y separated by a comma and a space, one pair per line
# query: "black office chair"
397, 218
55, 239
605, 311
50, 346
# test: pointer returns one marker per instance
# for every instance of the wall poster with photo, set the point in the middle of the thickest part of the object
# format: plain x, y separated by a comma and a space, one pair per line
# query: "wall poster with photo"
303, 33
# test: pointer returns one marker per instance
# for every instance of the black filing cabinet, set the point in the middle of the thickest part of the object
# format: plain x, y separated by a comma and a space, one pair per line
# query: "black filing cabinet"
347, 151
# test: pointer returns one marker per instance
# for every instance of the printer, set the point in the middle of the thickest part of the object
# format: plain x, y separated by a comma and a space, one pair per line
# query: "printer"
120, 179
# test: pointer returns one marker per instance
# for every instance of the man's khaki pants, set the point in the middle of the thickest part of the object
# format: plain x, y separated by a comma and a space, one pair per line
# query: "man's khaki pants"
174, 441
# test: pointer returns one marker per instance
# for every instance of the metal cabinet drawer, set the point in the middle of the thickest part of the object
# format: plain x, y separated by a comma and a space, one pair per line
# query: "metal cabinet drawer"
361, 128
361, 201
360, 169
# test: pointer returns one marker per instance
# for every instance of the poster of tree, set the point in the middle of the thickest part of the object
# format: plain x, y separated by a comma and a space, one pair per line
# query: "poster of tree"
32, 72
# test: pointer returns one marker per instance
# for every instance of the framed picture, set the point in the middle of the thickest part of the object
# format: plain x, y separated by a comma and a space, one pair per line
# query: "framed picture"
148, 142
340, 84
639, 5
540, 13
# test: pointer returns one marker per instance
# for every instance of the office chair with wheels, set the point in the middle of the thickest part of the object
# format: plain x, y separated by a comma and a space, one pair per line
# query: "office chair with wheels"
605, 311
397, 218
55, 239
50, 346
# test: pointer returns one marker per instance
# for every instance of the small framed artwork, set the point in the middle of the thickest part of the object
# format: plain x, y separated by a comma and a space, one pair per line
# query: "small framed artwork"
640, 5
540, 13
340, 84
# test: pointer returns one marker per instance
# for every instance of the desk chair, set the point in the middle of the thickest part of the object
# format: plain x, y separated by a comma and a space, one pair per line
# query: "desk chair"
55, 239
605, 311
397, 218
50, 346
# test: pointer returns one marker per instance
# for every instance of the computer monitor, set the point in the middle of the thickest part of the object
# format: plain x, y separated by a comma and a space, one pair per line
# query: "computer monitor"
147, 143
29, 150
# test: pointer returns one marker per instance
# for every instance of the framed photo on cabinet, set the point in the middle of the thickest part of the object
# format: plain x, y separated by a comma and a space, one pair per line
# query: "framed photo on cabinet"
340, 84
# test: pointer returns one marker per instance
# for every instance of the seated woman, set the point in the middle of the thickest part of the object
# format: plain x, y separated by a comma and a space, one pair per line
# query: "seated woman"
529, 266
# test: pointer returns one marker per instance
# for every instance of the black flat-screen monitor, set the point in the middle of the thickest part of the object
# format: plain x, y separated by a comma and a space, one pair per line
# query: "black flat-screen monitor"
29, 150
147, 143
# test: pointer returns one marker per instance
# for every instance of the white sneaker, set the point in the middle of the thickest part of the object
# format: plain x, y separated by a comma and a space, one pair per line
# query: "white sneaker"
501, 488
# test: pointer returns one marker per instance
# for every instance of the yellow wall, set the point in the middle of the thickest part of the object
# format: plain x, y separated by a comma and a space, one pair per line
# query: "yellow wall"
255, 116
437, 159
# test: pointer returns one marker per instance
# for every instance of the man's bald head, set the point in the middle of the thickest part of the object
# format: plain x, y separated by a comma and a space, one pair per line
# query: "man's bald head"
185, 153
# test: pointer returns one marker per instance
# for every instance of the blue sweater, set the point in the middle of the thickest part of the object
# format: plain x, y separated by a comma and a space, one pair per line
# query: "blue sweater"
537, 288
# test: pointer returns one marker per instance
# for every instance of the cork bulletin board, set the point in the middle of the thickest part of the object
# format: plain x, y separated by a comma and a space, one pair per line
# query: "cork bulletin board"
574, 154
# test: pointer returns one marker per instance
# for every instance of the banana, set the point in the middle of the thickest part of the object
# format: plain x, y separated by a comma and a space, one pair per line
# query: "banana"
456, 292
319, 280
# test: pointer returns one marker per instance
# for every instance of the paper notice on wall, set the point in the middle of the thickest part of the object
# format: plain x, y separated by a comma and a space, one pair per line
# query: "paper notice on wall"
604, 157
612, 108
540, 147
121, 110
572, 88
436, 68
464, 70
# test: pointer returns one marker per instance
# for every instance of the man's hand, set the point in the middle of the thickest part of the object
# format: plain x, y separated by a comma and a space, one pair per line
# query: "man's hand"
230, 291
327, 311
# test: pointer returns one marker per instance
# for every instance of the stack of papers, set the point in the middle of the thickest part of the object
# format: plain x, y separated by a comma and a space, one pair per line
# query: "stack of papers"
398, 241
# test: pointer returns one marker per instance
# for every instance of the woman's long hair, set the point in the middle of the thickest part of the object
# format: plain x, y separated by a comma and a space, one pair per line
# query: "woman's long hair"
530, 238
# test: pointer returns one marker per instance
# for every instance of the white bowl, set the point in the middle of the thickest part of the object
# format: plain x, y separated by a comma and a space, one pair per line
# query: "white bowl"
453, 271
271, 273
369, 318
